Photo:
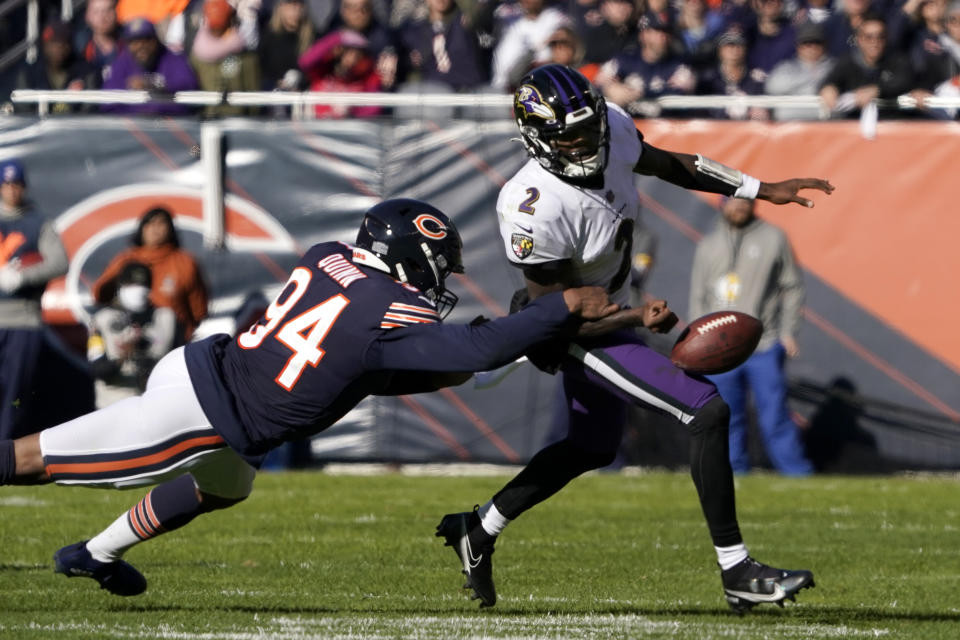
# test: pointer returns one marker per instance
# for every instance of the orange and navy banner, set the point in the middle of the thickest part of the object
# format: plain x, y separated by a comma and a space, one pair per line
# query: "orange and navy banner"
886, 238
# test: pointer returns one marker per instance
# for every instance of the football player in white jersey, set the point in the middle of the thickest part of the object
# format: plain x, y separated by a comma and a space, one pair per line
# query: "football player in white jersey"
567, 217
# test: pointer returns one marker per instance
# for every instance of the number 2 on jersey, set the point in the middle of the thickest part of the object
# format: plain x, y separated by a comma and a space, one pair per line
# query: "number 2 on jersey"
318, 320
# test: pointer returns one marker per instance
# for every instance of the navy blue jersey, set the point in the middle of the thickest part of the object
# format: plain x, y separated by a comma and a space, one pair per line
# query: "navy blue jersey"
341, 330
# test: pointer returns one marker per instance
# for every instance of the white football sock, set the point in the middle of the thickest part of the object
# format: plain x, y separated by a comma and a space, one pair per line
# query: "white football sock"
492, 520
731, 556
113, 542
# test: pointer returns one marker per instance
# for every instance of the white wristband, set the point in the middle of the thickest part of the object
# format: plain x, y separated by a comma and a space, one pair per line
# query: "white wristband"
748, 189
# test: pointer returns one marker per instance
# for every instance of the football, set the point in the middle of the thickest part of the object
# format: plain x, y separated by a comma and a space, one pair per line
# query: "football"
716, 342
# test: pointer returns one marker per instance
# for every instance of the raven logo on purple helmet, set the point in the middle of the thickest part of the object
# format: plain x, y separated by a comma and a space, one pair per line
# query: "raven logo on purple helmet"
532, 102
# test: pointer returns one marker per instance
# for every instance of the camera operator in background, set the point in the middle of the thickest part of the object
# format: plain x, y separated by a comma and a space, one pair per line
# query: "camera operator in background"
130, 334
176, 281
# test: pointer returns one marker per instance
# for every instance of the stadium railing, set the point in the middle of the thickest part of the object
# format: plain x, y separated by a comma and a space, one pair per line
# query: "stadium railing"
299, 103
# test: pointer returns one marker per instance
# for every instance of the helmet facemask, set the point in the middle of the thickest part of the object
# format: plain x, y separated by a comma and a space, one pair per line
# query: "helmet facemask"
432, 283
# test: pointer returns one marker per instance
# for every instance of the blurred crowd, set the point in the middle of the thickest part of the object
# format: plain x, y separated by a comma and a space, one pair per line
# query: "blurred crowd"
851, 53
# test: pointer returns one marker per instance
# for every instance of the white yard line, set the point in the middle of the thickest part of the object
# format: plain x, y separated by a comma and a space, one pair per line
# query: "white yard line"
506, 627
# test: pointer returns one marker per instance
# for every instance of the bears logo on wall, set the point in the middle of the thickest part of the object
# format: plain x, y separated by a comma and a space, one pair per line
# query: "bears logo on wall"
114, 213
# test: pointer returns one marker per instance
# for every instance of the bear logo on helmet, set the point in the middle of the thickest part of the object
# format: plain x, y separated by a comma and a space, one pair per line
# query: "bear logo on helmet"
439, 231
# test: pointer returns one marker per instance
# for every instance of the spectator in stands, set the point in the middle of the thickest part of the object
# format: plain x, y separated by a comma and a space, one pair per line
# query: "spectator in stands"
341, 61
567, 49
405, 11
748, 265
950, 61
183, 27
904, 21
737, 14
98, 42
130, 334
158, 12
325, 14
608, 30
935, 56
802, 75
221, 59
564, 47
176, 280
699, 26
633, 79
57, 67
322, 14
358, 16
661, 12
288, 35
841, 26
525, 40
870, 72
444, 48
147, 65
31, 255
815, 11
931, 60
772, 38
730, 77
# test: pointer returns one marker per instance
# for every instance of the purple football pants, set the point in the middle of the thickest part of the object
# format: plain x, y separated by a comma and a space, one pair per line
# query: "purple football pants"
602, 375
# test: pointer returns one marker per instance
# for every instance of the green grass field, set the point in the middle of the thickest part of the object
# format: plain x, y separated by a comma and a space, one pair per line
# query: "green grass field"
312, 555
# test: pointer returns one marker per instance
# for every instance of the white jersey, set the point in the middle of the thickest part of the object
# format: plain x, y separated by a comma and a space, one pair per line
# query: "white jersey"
542, 218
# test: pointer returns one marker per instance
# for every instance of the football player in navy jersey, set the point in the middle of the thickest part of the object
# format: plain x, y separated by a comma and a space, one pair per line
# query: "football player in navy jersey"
351, 321
567, 216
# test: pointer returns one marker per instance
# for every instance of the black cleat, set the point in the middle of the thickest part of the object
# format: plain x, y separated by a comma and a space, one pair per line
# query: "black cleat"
474, 554
750, 583
119, 578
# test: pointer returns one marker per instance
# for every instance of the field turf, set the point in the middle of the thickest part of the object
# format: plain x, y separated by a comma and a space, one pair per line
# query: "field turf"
314, 555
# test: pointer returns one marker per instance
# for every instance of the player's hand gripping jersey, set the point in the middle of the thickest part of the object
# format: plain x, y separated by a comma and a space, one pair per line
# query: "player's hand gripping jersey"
544, 218
340, 330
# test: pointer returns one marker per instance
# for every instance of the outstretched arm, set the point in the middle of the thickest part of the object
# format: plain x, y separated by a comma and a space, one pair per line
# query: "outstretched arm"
702, 174
487, 345
655, 315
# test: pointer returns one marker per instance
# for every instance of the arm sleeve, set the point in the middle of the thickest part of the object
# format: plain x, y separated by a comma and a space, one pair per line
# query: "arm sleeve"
54, 263
439, 347
679, 169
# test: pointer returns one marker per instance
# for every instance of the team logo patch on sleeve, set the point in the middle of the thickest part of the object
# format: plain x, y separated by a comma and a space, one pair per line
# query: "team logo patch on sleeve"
522, 245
